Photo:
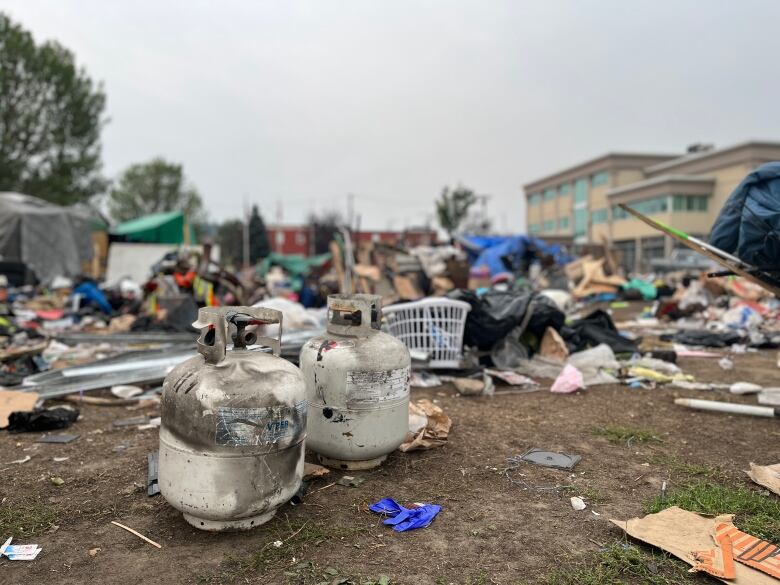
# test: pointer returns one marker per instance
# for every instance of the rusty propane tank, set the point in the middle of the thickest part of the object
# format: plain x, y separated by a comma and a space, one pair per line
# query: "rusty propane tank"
357, 386
233, 424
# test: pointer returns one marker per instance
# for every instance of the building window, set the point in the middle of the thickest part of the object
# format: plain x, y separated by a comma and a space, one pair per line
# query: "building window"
564, 189
535, 199
618, 213
650, 206
690, 203
580, 222
549, 194
599, 179
300, 238
534, 228
581, 191
599, 216
563, 223
549, 225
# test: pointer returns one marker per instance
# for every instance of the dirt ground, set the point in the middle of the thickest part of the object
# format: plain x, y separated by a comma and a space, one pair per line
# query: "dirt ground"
489, 531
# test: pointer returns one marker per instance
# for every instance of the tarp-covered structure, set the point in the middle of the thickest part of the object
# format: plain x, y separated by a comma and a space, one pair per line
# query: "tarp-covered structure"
749, 223
495, 252
158, 228
294, 264
49, 239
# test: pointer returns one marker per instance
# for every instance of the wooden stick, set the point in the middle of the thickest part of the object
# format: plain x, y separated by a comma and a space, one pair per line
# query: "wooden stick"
138, 534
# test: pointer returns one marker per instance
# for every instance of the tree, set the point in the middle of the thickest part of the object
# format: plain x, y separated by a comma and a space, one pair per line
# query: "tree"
324, 227
50, 120
259, 247
230, 237
153, 187
453, 207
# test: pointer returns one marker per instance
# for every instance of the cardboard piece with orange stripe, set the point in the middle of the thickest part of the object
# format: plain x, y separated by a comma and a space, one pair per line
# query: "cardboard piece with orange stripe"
703, 543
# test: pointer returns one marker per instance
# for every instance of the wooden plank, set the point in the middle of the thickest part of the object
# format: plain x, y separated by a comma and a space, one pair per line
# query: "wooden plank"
733, 266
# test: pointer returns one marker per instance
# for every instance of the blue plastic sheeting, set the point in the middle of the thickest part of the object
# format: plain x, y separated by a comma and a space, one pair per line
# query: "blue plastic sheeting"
488, 251
749, 223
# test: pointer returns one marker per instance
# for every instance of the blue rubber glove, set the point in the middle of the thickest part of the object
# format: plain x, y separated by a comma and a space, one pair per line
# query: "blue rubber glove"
403, 519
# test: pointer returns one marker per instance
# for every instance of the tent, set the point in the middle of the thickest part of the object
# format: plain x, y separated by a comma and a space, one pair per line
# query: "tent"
158, 228
490, 250
49, 239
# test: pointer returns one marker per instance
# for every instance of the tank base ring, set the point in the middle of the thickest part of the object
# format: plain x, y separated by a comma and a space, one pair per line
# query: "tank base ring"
351, 465
220, 525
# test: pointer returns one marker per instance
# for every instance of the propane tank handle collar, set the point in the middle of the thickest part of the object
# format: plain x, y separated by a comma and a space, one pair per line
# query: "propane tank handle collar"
357, 315
213, 324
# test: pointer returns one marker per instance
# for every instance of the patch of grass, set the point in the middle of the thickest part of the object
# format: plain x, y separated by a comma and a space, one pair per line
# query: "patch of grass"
755, 512
628, 435
621, 563
296, 539
677, 466
26, 519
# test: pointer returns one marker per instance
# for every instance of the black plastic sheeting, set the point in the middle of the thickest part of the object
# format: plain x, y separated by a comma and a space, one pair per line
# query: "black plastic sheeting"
42, 420
593, 330
494, 314
708, 338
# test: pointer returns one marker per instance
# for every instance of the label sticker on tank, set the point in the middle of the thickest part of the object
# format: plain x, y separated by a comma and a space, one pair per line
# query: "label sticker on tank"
365, 389
244, 427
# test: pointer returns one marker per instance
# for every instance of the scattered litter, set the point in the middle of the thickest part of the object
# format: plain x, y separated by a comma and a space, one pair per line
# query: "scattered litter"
424, 379
152, 465
769, 396
469, 386
19, 552
351, 480
553, 346
25, 460
683, 351
570, 380
128, 422
744, 388
61, 438
511, 378
550, 459
138, 534
429, 426
278, 543
59, 459
313, 471
14, 401
403, 519
766, 475
153, 423
58, 481
577, 503
728, 407
680, 533
94, 551
726, 364
125, 391
49, 419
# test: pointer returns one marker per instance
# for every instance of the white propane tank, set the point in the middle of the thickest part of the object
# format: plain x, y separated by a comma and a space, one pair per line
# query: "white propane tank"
357, 386
233, 424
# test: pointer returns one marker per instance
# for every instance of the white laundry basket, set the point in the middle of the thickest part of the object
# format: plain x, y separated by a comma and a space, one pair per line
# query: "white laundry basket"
434, 326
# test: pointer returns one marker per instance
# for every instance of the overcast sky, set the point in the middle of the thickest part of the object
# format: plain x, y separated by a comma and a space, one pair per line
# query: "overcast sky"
299, 103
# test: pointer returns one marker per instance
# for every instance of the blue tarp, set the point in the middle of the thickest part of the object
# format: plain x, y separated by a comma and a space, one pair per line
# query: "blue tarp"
749, 223
488, 251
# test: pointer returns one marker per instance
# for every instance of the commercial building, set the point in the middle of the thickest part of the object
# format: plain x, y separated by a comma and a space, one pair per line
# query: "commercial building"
580, 203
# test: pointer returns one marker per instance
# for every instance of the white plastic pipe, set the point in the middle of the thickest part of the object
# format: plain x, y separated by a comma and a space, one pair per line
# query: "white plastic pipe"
727, 407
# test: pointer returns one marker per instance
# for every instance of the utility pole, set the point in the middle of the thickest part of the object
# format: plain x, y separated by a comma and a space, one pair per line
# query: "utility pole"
246, 233
350, 210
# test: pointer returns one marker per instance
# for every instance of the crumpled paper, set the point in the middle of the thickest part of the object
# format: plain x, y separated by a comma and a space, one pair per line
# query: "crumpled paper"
429, 426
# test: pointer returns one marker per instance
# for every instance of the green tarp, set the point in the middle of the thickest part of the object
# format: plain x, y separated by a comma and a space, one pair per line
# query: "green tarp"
294, 264
158, 228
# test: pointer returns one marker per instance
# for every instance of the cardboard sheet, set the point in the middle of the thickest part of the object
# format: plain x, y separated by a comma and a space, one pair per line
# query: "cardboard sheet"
767, 476
15, 401
680, 533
